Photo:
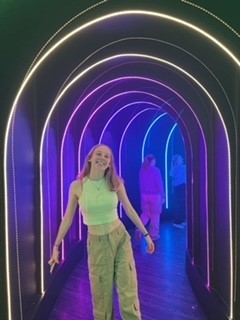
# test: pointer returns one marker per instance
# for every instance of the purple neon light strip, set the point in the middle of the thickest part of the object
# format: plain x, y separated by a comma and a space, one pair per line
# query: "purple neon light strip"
161, 84
113, 116
122, 108
143, 152
120, 173
203, 140
203, 88
105, 102
209, 96
121, 143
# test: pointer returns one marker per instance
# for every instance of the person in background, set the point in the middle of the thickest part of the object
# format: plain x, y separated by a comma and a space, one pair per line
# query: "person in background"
97, 190
152, 196
178, 174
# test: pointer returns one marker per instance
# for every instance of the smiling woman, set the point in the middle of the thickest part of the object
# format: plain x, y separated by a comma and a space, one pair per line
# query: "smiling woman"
110, 257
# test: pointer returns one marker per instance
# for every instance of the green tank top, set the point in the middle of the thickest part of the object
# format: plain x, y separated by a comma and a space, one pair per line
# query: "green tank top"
98, 204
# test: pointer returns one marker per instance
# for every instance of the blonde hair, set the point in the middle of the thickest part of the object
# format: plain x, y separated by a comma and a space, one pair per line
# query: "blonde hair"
110, 174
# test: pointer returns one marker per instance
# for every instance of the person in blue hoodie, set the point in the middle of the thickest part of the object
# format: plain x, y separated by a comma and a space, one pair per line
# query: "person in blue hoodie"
178, 174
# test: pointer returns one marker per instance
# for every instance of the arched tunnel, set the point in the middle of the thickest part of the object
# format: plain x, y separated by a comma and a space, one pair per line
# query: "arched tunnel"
140, 78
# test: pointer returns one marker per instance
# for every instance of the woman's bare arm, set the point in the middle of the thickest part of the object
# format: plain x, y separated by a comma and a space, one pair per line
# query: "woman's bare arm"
132, 214
74, 193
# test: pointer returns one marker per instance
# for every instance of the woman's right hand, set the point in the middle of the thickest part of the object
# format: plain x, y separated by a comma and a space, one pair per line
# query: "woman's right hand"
55, 256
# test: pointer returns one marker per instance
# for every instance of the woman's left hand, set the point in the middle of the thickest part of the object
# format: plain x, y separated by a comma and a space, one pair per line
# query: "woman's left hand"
151, 246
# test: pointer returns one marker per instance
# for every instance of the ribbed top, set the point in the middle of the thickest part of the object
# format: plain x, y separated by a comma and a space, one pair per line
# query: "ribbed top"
97, 202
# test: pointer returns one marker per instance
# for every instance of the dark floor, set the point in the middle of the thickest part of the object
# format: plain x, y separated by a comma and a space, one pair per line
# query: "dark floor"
164, 289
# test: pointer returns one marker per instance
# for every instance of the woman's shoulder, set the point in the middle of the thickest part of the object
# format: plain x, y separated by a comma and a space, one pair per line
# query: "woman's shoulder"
154, 169
76, 186
119, 184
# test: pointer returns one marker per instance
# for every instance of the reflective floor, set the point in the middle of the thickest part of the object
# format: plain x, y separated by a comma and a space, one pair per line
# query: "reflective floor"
164, 289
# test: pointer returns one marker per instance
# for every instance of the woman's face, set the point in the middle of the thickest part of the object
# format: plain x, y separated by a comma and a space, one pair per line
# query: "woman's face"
101, 158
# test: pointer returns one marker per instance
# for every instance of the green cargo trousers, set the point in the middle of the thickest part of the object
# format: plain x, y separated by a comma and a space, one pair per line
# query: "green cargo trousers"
110, 262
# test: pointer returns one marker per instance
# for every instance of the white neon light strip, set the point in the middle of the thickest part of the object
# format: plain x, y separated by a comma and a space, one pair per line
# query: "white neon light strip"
213, 15
146, 135
48, 196
148, 39
143, 155
123, 136
121, 143
62, 27
24, 83
14, 191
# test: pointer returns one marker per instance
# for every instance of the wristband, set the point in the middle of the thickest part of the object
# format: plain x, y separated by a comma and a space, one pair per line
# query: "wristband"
145, 235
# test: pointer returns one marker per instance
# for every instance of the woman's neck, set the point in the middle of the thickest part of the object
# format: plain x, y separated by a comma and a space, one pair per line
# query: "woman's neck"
93, 175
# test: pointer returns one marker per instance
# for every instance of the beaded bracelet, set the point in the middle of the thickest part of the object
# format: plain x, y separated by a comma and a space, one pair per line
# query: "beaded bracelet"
145, 235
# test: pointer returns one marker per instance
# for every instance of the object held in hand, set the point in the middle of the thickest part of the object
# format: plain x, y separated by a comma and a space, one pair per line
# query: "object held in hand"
52, 267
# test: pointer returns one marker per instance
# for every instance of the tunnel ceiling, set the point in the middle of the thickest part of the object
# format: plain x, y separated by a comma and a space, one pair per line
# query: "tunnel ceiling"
126, 46
93, 68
